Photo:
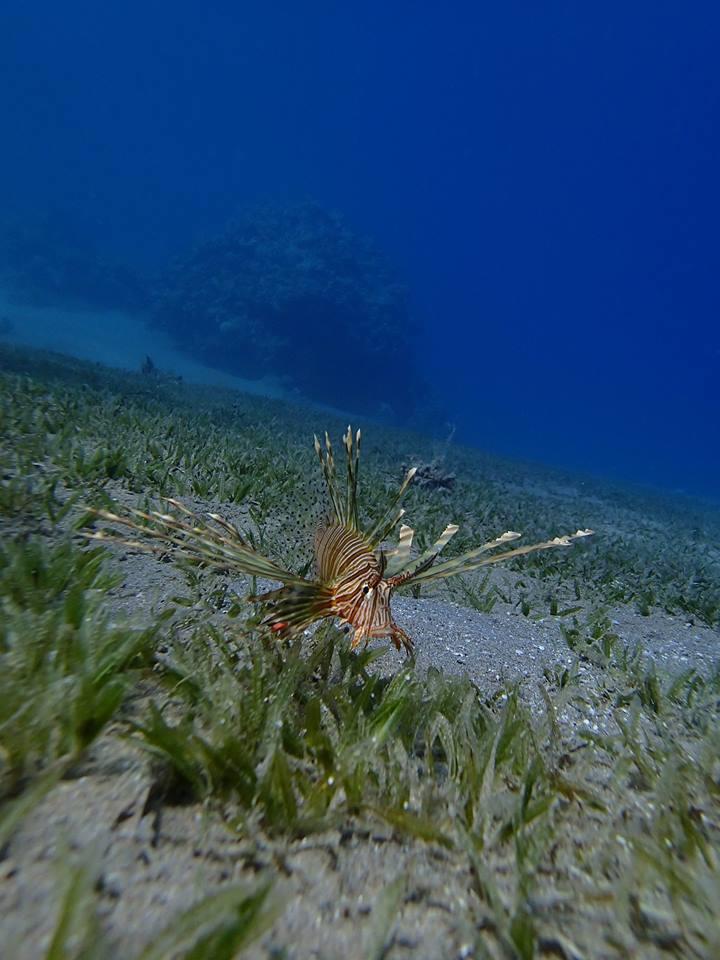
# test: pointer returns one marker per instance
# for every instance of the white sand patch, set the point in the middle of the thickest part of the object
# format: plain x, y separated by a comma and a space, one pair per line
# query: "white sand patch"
118, 339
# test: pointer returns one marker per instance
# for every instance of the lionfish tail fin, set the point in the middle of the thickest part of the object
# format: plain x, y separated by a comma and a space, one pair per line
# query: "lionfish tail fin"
472, 560
289, 610
219, 545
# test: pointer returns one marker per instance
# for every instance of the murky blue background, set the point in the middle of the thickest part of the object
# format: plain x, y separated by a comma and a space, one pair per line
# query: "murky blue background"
544, 175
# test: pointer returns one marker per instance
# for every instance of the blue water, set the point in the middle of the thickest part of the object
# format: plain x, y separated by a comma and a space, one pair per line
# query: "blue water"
543, 176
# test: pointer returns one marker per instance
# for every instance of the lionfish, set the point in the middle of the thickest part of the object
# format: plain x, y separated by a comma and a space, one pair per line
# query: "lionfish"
355, 574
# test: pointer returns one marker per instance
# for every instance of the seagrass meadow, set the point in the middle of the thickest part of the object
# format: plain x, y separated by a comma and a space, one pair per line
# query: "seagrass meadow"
542, 779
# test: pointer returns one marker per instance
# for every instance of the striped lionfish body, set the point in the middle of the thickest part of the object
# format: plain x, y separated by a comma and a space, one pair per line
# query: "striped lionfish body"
360, 594
355, 575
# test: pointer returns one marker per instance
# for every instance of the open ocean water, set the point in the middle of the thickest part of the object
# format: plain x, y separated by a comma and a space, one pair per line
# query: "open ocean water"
524, 199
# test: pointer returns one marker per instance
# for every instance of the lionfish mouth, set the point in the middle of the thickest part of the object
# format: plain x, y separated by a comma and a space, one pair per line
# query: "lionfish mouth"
354, 576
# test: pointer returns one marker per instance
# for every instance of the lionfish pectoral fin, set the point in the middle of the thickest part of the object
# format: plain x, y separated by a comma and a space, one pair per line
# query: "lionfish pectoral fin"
406, 568
473, 560
219, 545
398, 558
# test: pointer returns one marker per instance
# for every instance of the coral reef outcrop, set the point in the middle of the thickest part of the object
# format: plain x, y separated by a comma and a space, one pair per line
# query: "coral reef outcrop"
291, 291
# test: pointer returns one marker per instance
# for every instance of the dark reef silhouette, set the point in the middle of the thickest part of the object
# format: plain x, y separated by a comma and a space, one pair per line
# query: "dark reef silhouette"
291, 291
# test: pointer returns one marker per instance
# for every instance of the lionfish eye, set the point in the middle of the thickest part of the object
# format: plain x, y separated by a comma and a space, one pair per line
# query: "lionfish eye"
366, 589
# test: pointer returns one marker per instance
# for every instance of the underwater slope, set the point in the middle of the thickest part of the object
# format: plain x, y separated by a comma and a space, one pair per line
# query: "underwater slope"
534, 785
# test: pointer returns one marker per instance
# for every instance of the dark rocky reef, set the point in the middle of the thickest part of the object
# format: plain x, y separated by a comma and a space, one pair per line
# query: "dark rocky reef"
291, 291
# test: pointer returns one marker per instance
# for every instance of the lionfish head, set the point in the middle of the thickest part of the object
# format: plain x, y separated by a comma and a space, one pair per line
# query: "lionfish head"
369, 614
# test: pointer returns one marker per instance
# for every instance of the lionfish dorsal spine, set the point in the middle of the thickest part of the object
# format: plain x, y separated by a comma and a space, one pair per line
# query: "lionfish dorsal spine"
327, 465
352, 453
393, 515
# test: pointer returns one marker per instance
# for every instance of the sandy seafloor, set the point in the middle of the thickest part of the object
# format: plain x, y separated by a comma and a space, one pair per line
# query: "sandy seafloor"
115, 338
118, 338
153, 863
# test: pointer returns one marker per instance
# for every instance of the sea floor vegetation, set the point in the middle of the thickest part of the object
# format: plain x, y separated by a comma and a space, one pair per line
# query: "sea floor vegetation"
543, 780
